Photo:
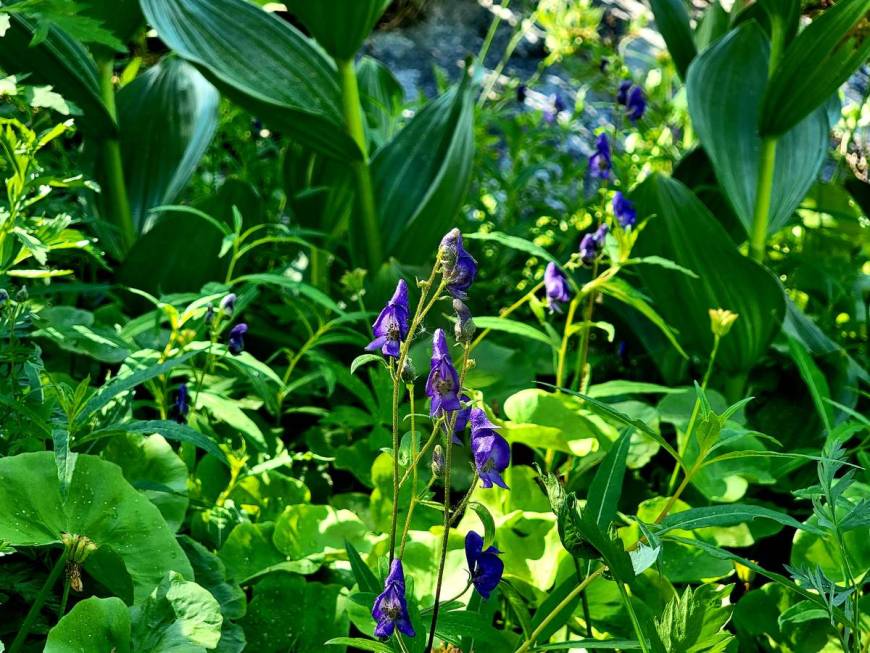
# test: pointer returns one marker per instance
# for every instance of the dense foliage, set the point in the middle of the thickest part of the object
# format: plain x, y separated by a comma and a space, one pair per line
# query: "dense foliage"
290, 362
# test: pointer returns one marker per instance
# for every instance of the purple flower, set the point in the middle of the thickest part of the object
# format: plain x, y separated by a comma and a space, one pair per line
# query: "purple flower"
556, 285
600, 162
462, 416
390, 609
521, 93
181, 407
485, 567
228, 304
635, 103
590, 245
559, 104
236, 340
624, 211
622, 93
391, 327
492, 453
460, 268
442, 385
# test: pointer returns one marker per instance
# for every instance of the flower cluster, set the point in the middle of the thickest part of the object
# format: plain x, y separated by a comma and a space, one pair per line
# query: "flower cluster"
624, 211
591, 244
633, 99
600, 163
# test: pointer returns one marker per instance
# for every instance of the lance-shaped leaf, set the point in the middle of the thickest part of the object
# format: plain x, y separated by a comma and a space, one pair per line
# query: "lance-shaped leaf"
64, 63
684, 231
815, 64
725, 87
672, 20
167, 118
422, 175
606, 487
100, 505
262, 63
729, 515
340, 26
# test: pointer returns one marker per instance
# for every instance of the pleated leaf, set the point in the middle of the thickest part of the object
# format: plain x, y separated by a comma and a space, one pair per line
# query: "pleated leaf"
672, 20
340, 26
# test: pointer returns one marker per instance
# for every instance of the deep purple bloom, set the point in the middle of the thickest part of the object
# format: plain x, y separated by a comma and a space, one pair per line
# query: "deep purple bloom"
492, 453
624, 211
521, 93
181, 407
556, 285
391, 327
460, 268
622, 93
236, 340
559, 104
635, 103
442, 385
462, 416
600, 162
390, 609
591, 244
228, 304
485, 567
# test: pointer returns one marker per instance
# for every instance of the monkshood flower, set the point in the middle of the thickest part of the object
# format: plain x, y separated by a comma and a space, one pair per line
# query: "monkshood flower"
590, 245
492, 453
622, 93
460, 268
556, 285
236, 340
485, 567
559, 106
522, 93
442, 385
600, 162
624, 211
462, 416
390, 609
636, 104
464, 328
391, 327
181, 407
228, 304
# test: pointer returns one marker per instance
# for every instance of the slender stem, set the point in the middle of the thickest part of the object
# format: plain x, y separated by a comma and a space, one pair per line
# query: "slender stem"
394, 521
566, 335
35, 608
584, 599
763, 195
63, 601
635, 622
432, 437
414, 458
457, 512
584, 335
353, 117
115, 187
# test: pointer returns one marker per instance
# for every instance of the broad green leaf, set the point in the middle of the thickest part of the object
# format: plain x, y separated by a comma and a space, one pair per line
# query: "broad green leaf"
728, 515
210, 573
121, 17
309, 530
168, 429
280, 77
381, 96
725, 86
101, 506
514, 327
64, 63
420, 177
712, 25
167, 118
606, 487
816, 63
759, 613
361, 644
179, 616
339, 26
90, 625
672, 21
684, 231
455, 624
513, 242
249, 550
814, 379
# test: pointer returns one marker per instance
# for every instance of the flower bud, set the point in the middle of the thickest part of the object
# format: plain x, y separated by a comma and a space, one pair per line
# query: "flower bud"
464, 328
437, 461
228, 304
208, 318
4, 297
408, 373
21, 295
721, 321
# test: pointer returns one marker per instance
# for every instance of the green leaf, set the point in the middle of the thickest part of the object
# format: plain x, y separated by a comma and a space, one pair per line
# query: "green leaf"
339, 26
514, 327
686, 232
713, 25
606, 487
121, 17
167, 116
93, 620
513, 242
695, 621
725, 86
728, 515
816, 63
363, 359
672, 20
488, 522
620, 387
178, 616
280, 75
168, 429
422, 175
295, 287
361, 644
210, 573
308, 530
365, 578
815, 380
101, 506
591, 645
381, 96
662, 263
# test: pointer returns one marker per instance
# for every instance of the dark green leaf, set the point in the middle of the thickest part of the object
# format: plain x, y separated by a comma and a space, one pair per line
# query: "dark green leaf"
815, 380
606, 487
168, 429
106, 621
727, 515
361, 644
340, 26
365, 578
672, 20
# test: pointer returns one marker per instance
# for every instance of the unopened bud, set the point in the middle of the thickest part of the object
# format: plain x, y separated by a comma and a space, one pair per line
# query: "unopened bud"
721, 321
21, 295
464, 328
449, 248
408, 373
437, 461
228, 304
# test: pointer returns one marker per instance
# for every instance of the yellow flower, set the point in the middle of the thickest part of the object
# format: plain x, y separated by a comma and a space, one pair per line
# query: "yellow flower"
721, 321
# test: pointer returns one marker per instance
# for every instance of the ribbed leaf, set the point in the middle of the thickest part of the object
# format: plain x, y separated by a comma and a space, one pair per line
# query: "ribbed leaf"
815, 64
64, 63
340, 26
672, 20
728, 515
261, 62
167, 118
606, 487
725, 86
381, 97
516, 328
685, 231
121, 17
422, 175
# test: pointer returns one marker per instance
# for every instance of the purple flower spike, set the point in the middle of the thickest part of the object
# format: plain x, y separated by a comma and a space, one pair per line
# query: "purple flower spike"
460, 268
624, 211
492, 453
485, 567
600, 162
442, 385
556, 285
635, 103
391, 327
390, 609
236, 340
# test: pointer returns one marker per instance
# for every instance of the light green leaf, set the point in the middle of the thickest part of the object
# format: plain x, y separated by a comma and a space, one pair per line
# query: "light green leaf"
728, 515
91, 624
168, 429
364, 359
361, 644
514, 327
606, 487
513, 242
620, 387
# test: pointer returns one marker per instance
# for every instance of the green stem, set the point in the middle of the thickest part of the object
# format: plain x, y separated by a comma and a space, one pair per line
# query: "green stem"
64, 599
635, 622
394, 521
33, 613
763, 194
354, 119
115, 188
